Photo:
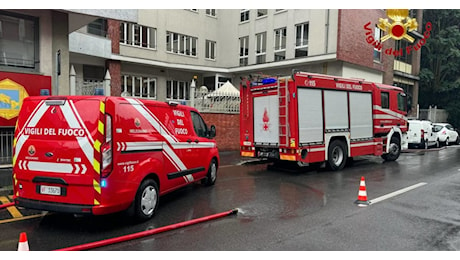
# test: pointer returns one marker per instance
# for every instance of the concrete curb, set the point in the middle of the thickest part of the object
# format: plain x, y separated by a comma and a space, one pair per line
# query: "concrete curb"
417, 151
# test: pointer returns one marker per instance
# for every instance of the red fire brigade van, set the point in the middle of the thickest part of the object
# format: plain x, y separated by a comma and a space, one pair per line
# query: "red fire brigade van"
98, 155
308, 118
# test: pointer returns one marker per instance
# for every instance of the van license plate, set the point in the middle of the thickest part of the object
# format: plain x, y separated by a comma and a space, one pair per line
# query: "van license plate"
50, 190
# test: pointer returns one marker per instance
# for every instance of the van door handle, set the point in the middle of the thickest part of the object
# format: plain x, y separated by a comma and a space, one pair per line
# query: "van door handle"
197, 141
189, 140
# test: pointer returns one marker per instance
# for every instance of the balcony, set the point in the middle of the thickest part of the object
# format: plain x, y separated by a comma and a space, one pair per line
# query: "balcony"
90, 45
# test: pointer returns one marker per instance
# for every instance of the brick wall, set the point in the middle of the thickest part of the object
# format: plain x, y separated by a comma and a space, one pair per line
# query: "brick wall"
352, 46
113, 33
114, 67
227, 128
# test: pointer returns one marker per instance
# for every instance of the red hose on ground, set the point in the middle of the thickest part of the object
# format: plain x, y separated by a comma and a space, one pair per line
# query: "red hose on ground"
6, 205
145, 233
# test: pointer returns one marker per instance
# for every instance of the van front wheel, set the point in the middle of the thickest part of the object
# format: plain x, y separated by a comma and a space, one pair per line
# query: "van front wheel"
147, 199
211, 176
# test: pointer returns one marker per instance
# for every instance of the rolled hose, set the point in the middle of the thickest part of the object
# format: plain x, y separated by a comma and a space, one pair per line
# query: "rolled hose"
133, 236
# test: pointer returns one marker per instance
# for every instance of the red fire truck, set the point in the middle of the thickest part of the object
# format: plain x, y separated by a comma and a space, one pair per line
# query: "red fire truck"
308, 118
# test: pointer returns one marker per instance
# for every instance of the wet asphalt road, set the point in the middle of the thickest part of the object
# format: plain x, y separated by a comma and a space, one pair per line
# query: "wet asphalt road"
309, 210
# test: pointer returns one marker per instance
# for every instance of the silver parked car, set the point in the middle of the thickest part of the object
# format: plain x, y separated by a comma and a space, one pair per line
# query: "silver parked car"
446, 134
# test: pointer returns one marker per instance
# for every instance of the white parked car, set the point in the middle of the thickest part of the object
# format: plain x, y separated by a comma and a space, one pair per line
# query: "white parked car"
446, 134
421, 135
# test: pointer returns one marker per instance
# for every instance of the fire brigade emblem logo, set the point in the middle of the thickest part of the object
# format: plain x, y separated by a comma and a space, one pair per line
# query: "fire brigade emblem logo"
265, 120
137, 122
402, 24
31, 150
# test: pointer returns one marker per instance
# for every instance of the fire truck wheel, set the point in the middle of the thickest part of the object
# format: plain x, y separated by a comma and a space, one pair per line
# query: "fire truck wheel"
337, 155
212, 174
146, 201
394, 151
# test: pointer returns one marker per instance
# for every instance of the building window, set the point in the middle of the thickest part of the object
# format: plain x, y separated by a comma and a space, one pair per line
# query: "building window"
261, 12
210, 50
93, 73
211, 12
261, 44
138, 35
244, 50
177, 90
244, 16
181, 44
301, 43
280, 44
378, 46
98, 27
139, 86
406, 56
222, 80
18, 41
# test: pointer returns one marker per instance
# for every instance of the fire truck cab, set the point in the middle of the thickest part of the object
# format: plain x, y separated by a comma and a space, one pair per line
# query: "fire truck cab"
308, 118
98, 155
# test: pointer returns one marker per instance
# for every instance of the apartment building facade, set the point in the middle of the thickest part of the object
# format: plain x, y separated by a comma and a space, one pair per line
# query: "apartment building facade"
156, 53
159, 55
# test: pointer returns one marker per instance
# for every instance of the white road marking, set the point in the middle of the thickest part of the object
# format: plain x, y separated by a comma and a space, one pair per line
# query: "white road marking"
226, 166
396, 193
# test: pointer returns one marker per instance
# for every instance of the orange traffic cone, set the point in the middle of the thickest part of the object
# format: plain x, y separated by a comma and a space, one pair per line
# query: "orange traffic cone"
362, 194
23, 244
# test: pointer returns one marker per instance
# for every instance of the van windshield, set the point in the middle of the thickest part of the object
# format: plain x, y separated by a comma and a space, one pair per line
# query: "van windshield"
437, 128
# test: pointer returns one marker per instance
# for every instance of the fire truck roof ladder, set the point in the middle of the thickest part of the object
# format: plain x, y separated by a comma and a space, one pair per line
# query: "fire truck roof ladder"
283, 95
321, 76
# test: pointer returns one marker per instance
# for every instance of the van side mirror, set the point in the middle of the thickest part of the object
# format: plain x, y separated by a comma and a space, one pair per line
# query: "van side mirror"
212, 131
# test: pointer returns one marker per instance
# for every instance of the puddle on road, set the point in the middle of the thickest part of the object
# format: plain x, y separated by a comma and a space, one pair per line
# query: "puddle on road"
289, 201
